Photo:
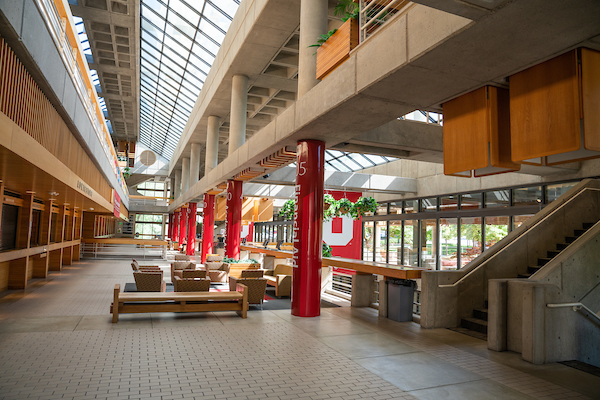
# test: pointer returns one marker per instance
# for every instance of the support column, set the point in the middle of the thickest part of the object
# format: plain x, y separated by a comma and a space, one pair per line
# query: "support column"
237, 117
233, 222
195, 163
170, 234
313, 23
183, 219
308, 229
191, 230
185, 174
177, 188
208, 225
175, 237
212, 144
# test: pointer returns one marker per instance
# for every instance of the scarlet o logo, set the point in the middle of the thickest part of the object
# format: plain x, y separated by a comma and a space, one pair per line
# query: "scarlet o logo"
341, 238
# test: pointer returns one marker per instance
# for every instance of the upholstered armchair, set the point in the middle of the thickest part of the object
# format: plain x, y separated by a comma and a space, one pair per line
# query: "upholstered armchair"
217, 270
193, 273
182, 257
252, 273
136, 267
191, 284
149, 281
256, 288
178, 267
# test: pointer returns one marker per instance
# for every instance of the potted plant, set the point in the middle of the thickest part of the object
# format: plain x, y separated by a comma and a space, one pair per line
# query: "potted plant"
363, 206
334, 47
329, 207
126, 172
343, 207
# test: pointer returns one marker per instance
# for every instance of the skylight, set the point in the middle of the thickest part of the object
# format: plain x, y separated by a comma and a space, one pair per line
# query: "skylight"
179, 42
352, 162
83, 38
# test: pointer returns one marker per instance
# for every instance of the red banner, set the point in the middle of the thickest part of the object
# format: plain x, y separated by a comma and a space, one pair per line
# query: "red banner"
116, 204
208, 225
308, 222
344, 234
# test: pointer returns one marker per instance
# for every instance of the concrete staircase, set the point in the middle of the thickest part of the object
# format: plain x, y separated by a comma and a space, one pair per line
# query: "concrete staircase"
478, 322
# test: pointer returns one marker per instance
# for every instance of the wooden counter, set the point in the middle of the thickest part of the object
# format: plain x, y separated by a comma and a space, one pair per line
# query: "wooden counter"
367, 267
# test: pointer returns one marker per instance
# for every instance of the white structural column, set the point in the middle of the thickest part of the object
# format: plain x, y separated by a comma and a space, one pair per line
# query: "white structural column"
185, 174
177, 186
237, 117
195, 163
313, 23
212, 144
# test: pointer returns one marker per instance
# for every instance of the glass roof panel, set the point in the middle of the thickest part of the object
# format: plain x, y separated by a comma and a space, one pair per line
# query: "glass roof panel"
352, 162
171, 29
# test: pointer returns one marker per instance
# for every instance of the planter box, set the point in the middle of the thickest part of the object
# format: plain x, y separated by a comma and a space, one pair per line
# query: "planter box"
337, 48
235, 269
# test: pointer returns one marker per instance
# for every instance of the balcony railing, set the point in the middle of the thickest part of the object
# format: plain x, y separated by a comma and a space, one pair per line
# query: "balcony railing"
375, 13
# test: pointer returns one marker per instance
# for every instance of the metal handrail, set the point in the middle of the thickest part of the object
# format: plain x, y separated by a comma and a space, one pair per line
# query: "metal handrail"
576, 307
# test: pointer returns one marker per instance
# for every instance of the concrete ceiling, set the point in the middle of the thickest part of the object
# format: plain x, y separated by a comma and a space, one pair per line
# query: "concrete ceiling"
113, 32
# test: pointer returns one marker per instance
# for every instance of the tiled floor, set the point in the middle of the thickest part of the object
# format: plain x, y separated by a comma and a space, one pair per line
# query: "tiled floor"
57, 342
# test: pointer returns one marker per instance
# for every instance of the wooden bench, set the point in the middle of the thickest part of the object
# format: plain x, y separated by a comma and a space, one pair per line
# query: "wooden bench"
148, 302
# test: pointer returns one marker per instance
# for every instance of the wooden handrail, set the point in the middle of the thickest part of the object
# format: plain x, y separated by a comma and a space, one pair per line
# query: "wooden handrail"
148, 242
22, 253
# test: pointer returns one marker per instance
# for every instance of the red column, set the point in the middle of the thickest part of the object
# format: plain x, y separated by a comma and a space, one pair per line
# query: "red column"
308, 229
175, 236
233, 221
191, 230
170, 231
208, 225
183, 219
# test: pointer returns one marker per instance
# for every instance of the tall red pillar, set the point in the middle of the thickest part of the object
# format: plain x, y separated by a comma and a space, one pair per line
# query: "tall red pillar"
233, 221
208, 225
183, 219
175, 236
308, 229
191, 230
170, 231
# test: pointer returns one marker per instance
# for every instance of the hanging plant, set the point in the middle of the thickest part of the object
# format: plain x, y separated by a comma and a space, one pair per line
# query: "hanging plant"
326, 250
343, 207
287, 211
126, 172
363, 206
329, 207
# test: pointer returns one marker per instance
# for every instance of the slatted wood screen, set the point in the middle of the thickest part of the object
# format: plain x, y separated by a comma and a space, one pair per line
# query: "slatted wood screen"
24, 103
337, 48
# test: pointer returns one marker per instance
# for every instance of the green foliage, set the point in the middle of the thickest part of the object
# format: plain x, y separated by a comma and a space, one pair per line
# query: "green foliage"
126, 172
343, 207
346, 9
326, 250
287, 211
323, 38
234, 261
363, 206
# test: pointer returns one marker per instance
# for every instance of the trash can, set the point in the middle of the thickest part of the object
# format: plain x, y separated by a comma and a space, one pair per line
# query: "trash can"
400, 298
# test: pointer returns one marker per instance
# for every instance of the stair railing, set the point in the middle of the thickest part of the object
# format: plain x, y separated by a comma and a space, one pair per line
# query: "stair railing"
512, 237
577, 307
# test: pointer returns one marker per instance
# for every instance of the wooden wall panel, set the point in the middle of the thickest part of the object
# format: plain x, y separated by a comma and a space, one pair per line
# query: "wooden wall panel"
590, 95
336, 49
4, 268
544, 109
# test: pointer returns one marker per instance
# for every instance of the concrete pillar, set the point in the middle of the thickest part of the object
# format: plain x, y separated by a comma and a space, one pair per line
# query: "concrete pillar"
185, 174
308, 229
361, 290
208, 225
183, 219
191, 230
233, 219
237, 117
195, 163
177, 189
313, 23
212, 144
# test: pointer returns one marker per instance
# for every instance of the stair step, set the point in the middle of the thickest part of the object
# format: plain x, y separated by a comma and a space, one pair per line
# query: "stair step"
587, 225
561, 246
524, 275
481, 313
570, 239
533, 270
543, 261
474, 324
579, 232
552, 253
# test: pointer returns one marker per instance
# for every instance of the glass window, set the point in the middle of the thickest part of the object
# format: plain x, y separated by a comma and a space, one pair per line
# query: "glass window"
428, 243
527, 196
395, 207
381, 243
553, 192
495, 229
448, 249
381, 209
470, 239
470, 201
368, 241
497, 198
449, 203
411, 244
395, 234
411, 206
519, 219
429, 204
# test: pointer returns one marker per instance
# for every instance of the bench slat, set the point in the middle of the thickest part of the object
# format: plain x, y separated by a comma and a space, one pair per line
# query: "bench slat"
179, 296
